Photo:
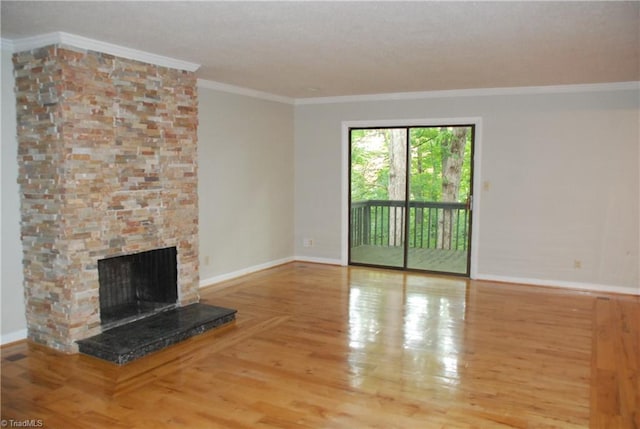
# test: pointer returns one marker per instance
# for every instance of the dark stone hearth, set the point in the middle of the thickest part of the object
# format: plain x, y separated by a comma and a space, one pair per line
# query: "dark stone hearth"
134, 340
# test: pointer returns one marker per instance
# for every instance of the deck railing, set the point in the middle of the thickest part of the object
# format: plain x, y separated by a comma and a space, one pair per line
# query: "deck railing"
432, 225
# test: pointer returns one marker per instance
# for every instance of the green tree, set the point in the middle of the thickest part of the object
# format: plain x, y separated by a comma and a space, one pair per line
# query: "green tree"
440, 168
440, 164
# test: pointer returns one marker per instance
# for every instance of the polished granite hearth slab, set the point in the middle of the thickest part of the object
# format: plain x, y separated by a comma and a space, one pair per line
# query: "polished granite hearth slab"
134, 340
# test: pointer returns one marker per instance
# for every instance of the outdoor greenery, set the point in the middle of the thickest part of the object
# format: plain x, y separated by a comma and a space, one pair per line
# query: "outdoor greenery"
429, 147
440, 171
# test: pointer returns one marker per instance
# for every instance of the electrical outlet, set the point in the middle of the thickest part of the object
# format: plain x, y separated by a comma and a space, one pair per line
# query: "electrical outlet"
577, 264
206, 260
307, 242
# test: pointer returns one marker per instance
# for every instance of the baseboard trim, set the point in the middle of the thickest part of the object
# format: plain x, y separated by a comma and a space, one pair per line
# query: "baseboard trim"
591, 287
315, 260
243, 272
13, 337
255, 268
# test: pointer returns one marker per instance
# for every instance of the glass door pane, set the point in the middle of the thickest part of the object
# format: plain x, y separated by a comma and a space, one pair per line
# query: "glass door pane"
378, 196
439, 195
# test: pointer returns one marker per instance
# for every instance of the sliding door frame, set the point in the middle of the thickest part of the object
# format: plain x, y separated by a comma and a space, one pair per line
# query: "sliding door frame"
476, 122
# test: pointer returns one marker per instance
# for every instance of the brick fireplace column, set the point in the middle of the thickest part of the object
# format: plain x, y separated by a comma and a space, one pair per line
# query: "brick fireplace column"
107, 167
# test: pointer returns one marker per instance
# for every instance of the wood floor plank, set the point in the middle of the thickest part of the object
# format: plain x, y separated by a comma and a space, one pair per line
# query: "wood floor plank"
347, 347
615, 374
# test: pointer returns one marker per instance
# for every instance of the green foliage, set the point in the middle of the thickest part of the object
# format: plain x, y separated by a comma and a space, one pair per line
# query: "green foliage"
428, 146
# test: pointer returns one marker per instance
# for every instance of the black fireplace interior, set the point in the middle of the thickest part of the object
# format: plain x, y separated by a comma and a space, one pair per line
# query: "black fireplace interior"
137, 285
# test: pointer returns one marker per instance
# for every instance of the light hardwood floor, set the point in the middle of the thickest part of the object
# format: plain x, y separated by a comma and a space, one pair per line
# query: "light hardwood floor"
318, 346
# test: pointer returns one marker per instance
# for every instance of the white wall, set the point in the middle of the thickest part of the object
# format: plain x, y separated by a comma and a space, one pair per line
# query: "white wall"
245, 186
14, 323
562, 170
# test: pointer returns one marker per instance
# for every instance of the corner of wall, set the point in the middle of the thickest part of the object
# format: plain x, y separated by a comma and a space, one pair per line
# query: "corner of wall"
14, 323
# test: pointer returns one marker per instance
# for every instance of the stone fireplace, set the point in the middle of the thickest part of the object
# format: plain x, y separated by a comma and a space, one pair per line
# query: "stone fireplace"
137, 285
107, 167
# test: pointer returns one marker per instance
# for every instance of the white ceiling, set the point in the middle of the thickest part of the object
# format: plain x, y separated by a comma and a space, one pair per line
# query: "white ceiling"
319, 49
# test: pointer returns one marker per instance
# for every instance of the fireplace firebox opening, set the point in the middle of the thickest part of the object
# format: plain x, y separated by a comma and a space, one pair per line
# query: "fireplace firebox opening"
137, 285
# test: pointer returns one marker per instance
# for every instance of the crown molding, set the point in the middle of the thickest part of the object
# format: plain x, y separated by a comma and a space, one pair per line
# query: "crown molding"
61, 38
28, 43
219, 86
476, 92
6, 44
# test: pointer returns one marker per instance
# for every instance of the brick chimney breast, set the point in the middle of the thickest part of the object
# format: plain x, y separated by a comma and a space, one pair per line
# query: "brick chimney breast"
107, 153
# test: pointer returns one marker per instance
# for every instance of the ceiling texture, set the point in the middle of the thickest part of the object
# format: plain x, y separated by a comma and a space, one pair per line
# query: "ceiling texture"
332, 48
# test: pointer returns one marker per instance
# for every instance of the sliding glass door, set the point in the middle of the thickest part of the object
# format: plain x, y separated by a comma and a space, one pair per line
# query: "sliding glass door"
378, 196
410, 197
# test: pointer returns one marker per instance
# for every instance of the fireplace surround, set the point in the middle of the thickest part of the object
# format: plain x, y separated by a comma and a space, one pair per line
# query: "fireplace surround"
107, 167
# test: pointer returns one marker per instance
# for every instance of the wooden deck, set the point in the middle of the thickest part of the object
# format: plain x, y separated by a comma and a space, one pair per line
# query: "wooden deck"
321, 346
447, 261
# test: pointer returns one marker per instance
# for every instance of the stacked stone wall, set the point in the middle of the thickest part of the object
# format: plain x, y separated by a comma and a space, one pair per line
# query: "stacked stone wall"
108, 166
